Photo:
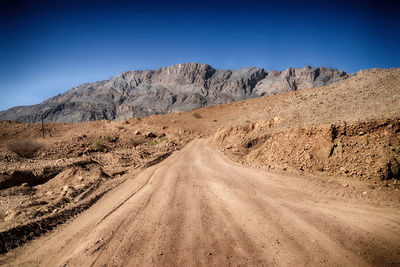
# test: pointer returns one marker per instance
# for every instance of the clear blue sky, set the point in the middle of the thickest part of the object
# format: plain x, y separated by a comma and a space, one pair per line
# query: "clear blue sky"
48, 47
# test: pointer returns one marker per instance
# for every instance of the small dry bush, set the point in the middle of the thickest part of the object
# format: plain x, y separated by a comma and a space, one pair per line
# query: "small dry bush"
97, 145
24, 148
196, 115
156, 142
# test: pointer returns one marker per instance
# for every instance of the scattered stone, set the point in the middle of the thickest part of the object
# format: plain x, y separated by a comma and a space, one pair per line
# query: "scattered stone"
365, 192
10, 214
150, 135
65, 188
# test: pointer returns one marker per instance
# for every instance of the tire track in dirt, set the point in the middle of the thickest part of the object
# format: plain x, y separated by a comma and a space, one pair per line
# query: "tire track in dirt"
197, 208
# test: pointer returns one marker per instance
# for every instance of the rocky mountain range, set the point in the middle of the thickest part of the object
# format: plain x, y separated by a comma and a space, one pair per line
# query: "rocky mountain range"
175, 88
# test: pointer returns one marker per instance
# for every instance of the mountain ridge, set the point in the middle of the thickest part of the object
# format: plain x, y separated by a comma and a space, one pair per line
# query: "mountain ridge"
175, 88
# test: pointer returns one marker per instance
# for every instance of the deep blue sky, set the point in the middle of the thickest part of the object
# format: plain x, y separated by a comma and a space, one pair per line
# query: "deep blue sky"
48, 47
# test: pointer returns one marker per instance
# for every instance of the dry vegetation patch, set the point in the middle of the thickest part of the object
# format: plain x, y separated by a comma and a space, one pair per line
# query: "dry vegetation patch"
196, 115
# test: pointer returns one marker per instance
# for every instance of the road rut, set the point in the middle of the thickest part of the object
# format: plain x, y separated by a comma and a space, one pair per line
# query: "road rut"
197, 208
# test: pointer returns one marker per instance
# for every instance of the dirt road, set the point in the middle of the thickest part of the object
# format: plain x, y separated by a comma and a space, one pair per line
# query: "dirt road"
198, 208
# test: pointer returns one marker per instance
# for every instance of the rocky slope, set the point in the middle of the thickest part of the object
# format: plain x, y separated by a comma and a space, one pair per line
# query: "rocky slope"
167, 90
350, 128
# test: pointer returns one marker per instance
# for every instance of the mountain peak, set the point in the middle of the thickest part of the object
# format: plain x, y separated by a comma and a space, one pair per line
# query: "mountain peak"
168, 89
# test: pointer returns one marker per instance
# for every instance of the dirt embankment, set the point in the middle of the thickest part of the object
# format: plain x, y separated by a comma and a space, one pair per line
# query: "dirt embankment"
348, 129
366, 150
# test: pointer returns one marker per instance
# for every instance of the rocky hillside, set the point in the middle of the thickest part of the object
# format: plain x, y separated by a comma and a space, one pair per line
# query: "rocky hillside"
168, 90
350, 128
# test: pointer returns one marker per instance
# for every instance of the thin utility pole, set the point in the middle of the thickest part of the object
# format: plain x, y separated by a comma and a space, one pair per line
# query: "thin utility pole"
42, 125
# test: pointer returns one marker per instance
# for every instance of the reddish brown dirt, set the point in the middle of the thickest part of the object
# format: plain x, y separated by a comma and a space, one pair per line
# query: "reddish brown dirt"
365, 151
68, 172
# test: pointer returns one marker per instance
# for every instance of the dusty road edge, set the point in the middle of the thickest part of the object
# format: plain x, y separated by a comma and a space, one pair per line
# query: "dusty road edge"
19, 235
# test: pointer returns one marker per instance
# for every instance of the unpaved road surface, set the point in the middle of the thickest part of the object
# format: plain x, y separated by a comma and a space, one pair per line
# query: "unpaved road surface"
197, 208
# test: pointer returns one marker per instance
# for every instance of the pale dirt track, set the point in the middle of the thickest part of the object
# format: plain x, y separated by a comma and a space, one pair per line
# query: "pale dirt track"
197, 208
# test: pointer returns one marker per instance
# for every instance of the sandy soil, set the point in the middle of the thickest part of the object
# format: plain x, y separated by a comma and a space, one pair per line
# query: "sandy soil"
68, 173
199, 208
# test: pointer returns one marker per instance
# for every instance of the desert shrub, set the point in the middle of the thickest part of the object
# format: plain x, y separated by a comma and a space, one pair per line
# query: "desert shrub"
156, 142
136, 142
152, 142
24, 148
108, 138
162, 139
96, 145
196, 115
